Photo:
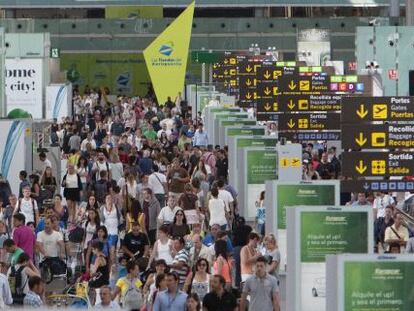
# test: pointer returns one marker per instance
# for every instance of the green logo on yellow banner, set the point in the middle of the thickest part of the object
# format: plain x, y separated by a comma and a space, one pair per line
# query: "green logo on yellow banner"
166, 57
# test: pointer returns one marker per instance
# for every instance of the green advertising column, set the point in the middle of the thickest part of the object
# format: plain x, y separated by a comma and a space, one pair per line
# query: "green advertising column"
369, 282
280, 195
314, 233
236, 142
258, 165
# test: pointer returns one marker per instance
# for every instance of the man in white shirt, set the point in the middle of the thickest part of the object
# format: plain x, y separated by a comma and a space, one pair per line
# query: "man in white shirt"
158, 183
45, 161
381, 201
167, 213
88, 140
5, 293
164, 129
28, 207
225, 196
50, 242
101, 165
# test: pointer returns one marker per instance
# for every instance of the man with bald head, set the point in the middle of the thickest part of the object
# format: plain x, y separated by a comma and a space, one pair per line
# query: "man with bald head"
199, 250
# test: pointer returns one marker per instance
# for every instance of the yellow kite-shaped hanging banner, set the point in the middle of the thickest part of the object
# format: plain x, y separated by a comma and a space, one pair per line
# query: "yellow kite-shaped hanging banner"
166, 57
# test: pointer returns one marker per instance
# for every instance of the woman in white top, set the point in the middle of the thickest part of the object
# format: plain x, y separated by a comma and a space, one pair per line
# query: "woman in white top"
72, 187
217, 210
82, 170
129, 189
117, 169
111, 219
163, 247
91, 225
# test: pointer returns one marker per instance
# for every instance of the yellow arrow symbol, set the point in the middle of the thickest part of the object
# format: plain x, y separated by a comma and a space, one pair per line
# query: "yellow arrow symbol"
291, 124
361, 168
360, 140
292, 85
226, 72
267, 91
248, 68
361, 112
226, 61
291, 105
248, 95
214, 75
248, 82
267, 107
267, 74
215, 66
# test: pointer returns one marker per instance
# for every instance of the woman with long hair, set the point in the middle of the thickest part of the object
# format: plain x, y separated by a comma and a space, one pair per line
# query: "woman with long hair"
101, 236
92, 203
35, 189
179, 227
129, 189
200, 169
60, 209
193, 302
82, 170
222, 265
160, 285
163, 247
90, 225
72, 187
135, 214
198, 282
48, 181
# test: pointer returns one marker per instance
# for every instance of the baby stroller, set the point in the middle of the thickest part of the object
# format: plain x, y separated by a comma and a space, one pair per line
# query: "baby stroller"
75, 297
55, 273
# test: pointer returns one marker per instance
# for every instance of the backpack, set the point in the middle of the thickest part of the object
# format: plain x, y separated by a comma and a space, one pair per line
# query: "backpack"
77, 234
101, 190
133, 299
19, 203
16, 286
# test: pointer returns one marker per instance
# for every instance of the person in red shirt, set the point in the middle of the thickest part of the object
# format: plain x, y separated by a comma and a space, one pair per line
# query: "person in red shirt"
23, 235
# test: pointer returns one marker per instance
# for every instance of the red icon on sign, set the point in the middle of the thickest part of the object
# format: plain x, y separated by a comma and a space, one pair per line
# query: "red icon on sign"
393, 74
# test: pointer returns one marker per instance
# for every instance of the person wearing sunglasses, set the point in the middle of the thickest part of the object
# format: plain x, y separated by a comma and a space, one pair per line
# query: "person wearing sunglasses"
198, 282
179, 227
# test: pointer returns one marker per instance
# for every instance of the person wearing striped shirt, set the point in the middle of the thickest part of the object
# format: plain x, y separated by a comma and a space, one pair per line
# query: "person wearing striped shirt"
180, 262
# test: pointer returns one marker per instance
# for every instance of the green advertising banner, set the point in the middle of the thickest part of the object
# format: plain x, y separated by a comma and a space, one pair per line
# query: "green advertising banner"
379, 286
305, 194
256, 142
240, 131
326, 233
261, 166
121, 73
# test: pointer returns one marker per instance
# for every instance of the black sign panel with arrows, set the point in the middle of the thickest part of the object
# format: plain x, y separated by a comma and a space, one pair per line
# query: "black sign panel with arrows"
366, 109
357, 164
300, 121
304, 84
380, 136
377, 185
305, 136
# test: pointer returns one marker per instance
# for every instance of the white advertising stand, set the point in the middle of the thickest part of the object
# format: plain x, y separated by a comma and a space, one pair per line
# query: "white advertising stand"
209, 114
281, 194
58, 101
15, 150
225, 116
370, 282
313, 233
255, 130
221, 124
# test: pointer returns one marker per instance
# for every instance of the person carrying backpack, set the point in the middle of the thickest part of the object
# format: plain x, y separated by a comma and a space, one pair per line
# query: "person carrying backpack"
129, 288
18, 276
28, 207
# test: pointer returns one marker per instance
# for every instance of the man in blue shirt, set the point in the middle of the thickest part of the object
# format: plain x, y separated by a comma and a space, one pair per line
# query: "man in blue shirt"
171, 299
216, 234
200, 137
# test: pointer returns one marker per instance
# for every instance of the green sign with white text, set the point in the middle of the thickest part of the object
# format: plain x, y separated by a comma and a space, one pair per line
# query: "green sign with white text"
379, 286
240, 131
306, 194
327, 233
256, 142
261, 166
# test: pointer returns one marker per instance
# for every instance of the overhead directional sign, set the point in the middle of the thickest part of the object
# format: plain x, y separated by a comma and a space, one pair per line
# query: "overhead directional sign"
377, 185
311, 136
357, 164
377, 136
303, 84
366, 109
297, 103
301, 121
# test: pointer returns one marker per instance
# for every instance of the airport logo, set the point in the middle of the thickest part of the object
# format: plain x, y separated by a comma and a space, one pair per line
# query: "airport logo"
166, 49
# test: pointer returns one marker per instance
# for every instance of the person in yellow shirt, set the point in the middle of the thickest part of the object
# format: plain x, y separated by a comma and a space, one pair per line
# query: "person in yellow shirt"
124, 283
397, 233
